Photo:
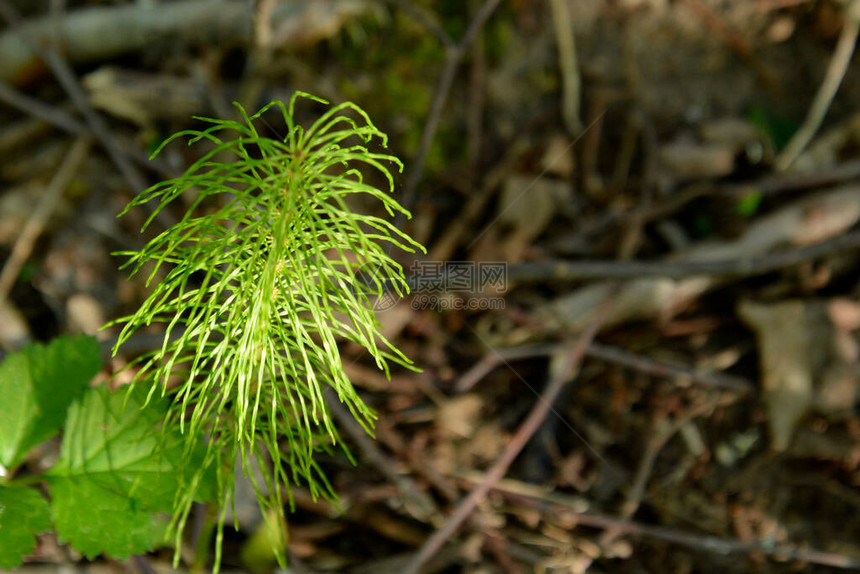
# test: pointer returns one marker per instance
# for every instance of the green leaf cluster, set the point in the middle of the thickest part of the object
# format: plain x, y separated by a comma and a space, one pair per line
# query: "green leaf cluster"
116, 470
258, 286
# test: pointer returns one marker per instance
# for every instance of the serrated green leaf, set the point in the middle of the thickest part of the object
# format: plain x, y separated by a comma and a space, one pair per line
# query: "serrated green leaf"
116, 469
23, 515
94, 517
37, 385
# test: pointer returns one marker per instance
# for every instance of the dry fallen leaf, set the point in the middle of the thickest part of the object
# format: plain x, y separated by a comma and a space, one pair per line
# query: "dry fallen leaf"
804, 362
820, 217
14, 331
786, 365
459, 416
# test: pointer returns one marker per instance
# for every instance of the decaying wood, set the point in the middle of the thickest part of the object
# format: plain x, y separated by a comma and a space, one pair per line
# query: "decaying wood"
97, 34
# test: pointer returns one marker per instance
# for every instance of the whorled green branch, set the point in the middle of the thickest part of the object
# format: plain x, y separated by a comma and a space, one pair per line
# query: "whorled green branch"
260, 286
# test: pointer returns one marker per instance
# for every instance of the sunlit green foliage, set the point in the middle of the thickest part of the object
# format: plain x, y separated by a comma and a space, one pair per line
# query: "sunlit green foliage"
117, 473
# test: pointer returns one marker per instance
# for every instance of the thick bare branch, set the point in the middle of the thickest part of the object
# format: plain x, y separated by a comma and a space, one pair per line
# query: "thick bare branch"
96, 34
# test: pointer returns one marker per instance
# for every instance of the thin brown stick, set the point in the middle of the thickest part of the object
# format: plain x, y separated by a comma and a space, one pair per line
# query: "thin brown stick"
532, 423
785, 182
571, 81
465, 222
665, 430
768, 185
39, 218
734, 40
90, 33
445, 486
44, 112
61, 119
784, 551
475, 105
735, 267
497, 357
829, 86
453, 58
657, 440
66, 77
498, 546
663, 369
417, 502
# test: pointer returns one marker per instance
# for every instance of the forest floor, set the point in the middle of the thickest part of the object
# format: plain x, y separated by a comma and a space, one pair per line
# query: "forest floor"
636, 320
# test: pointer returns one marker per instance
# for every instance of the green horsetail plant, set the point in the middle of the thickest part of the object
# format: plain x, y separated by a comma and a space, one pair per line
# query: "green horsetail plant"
260, 284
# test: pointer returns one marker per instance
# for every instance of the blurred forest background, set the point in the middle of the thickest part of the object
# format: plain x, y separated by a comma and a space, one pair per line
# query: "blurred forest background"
664, 379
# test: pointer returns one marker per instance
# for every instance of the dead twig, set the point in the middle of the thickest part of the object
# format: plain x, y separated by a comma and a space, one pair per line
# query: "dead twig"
829, 86
44, 112
498, 357
417, 502
61, 119
785, 182
464, 224
586, 174
418, 461
105, 32
571, 92
39, 218
495, 543
534, 499
475, 111
67, 79
542, 271
454, 55
533, 421
767, 185
664, 431
736, 41
663, 369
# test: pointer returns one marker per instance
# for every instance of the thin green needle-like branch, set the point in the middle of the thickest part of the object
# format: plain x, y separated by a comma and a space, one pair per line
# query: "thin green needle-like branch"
260, 285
